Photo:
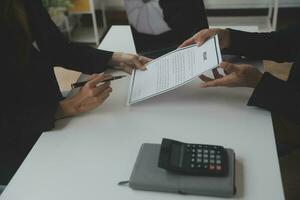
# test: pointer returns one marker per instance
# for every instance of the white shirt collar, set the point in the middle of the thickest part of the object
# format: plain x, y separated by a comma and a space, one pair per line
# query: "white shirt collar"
35, 45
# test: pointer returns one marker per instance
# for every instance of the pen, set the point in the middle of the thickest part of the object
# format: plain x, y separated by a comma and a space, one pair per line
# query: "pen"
80, 84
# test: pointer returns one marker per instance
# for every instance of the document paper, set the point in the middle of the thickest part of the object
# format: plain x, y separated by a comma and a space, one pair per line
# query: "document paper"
173, 70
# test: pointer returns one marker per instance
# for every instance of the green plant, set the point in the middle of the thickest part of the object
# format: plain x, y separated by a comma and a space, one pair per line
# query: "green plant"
57, 3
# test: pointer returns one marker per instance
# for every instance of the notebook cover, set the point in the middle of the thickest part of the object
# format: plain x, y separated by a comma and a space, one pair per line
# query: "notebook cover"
146, 175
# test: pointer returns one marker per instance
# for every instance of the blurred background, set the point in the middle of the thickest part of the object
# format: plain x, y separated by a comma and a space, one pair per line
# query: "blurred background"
87, 21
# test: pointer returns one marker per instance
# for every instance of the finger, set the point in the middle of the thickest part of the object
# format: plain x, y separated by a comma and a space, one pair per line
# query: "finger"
138, 64
97, 100
100, 89
87, 91
87, 106
187, 42
91, 77
100, 98
144, 59
228, 67
226, 72
127, 68
216, 73
225, 81
104, 93
202, 36
205, 78
98, 79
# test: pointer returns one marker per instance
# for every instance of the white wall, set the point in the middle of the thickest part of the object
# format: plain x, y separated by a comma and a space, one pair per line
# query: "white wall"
114, 3
118, 4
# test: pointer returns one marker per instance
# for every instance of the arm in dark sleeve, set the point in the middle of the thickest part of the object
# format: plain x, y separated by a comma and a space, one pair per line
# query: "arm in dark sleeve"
19, 131
21, 123
69, 55
24, 112
80, 58
280, 46
29, 119
277, 96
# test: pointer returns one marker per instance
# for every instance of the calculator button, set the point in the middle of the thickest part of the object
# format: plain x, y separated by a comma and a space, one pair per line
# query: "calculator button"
199, 150
218, 162
193, 155
192, 165
199, 165
205, 155
212, 156
205, 151
218, 152
205, 160
199, 160
219, 167
218, 157
199, 155
205, 166
193, 150
212, 151
199, 146
193, 145
211, 167
193, 160
212, 161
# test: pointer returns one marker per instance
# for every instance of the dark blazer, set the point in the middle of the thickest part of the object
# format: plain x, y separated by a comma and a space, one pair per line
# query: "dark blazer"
29, 98
184, 17
281, 97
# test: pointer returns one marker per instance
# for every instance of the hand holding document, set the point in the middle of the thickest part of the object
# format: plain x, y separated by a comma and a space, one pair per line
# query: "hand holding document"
174, 70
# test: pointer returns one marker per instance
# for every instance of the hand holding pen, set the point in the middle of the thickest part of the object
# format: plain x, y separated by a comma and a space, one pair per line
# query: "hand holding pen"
92, 94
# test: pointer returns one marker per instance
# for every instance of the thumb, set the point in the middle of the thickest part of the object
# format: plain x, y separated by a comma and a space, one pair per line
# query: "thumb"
187, 42
229, 67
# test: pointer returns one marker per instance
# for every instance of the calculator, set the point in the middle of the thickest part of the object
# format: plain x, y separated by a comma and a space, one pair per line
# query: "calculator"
193, 159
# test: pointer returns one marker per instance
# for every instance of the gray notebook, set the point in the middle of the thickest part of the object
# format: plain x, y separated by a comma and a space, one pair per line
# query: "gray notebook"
147, 176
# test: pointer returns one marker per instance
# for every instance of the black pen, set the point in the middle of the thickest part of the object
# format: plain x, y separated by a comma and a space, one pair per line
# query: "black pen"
80, 84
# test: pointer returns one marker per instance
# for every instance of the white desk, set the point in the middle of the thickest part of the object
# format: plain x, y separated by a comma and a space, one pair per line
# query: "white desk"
85, 157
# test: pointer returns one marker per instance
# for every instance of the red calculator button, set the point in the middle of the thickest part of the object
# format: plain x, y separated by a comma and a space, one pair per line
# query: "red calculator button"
211, 167
219, 167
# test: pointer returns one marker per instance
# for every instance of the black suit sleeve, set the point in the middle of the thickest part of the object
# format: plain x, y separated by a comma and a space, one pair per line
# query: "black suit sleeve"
280, 46
20, 129
69, 55
21, 124
273, 94
19, 111
277, 96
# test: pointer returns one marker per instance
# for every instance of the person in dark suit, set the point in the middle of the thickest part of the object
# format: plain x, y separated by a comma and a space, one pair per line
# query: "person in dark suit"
30, 97
278, 96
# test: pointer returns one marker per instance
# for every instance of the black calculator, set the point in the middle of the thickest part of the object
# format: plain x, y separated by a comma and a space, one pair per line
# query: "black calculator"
193, 159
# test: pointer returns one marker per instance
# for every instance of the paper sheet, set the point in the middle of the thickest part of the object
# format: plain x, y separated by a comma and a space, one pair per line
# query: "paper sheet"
174, 70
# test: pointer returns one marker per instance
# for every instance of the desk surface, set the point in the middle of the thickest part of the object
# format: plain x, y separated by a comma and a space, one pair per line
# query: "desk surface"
85, 157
